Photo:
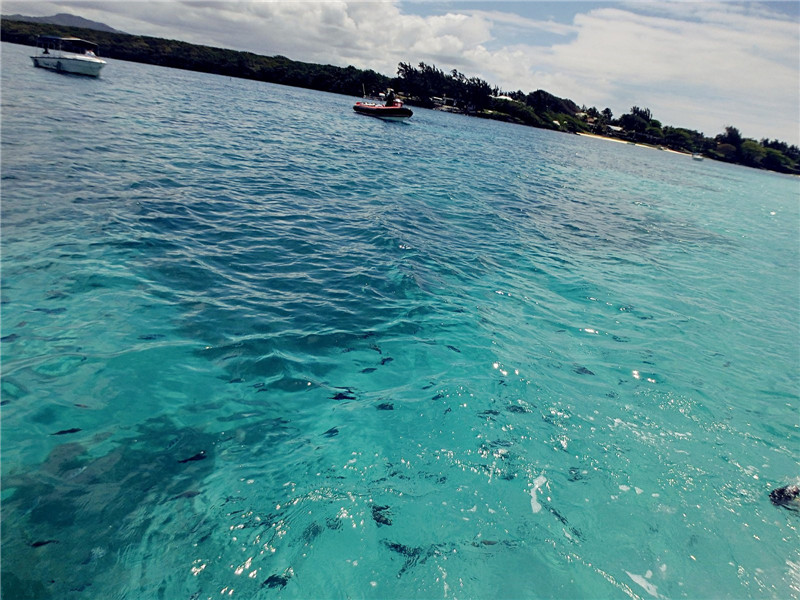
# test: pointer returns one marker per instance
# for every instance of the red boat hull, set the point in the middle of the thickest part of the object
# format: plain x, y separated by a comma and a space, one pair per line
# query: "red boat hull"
391, 113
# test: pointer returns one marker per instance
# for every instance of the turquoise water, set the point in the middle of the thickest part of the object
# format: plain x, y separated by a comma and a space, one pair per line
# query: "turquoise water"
257, 345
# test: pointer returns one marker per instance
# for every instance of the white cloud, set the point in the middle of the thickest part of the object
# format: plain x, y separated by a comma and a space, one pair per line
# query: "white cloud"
702, 65
710, 66
750, 61
523, 24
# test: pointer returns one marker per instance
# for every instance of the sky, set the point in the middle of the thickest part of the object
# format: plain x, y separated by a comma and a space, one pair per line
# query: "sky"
702, 65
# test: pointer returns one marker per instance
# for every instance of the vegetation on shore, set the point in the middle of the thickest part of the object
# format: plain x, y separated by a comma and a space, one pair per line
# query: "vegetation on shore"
427, 86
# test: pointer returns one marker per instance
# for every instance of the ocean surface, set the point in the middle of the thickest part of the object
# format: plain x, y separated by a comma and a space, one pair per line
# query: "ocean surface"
255, 345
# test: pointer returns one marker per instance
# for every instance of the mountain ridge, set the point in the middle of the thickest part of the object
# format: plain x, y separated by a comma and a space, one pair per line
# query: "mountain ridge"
65, 20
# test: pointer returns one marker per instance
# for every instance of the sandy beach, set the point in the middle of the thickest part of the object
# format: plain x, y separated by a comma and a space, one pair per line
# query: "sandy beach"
602, 137
610, 139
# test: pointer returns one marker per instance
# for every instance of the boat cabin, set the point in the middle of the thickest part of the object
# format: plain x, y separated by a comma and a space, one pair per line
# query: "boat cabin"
51, 43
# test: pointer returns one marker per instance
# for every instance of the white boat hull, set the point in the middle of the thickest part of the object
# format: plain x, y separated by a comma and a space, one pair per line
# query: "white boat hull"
66, 63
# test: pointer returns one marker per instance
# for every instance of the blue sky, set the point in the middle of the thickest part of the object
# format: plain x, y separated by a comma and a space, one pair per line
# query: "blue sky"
702, 65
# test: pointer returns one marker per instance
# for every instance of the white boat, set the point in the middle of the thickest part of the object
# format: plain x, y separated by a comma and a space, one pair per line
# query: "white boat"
68, 55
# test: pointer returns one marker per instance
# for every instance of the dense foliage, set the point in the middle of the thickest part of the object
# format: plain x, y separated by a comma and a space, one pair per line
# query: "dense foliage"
428, 86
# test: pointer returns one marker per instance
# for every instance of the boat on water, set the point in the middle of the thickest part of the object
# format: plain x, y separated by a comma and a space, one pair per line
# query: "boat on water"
697, 156
68, 55
389, 112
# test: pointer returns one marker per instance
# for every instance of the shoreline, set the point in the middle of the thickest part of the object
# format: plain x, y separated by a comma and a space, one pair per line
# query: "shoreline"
602, 137
618, 141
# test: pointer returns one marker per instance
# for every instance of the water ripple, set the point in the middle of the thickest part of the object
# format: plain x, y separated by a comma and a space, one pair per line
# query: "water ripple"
253, 341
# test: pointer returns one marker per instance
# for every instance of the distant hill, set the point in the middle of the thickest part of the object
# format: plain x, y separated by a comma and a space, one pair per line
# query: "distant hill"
65, 20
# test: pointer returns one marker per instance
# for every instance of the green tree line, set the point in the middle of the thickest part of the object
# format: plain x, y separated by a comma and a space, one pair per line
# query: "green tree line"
427, 86
639, 126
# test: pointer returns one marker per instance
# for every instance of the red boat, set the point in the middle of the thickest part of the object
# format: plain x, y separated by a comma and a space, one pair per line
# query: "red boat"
395, 112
